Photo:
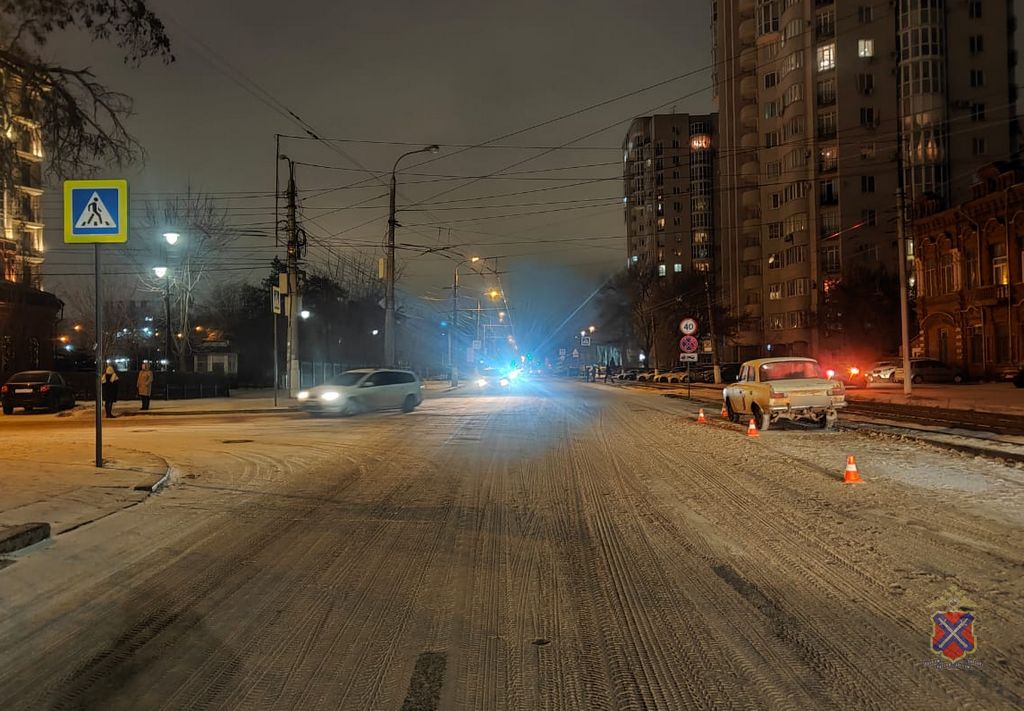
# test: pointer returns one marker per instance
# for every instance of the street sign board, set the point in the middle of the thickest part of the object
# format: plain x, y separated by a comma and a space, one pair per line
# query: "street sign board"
688, 344
585, 341
275, 300
95, 211
687, 357
688, 327
561, 352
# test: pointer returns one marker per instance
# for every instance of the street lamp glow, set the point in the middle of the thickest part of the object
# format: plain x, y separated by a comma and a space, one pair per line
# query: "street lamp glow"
583, 333
494, 293
171, 237
474, 259
592, 328
304, 314
160, 272
642, 357
78, 327
374, 332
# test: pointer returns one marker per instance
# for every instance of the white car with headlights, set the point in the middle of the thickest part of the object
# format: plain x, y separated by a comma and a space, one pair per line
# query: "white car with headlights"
364, 390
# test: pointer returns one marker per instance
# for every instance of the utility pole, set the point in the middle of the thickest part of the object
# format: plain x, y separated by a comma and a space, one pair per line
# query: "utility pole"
453, 368
389, 281
904, 296
293, 286
711, 332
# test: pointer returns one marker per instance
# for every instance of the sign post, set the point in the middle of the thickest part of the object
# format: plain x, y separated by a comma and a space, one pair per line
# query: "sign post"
688, 344
96, 212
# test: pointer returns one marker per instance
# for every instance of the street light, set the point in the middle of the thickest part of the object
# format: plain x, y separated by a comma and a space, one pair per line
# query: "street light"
374, 332
304, 314
171, 237
592, 328
160, 272
389, 262
494, 293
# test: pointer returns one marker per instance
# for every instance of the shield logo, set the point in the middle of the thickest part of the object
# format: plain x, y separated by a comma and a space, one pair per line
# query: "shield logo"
953, 634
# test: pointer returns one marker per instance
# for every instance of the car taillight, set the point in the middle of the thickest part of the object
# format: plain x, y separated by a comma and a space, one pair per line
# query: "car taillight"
855, 371
777, 396
44, 389
3, 389
837, 390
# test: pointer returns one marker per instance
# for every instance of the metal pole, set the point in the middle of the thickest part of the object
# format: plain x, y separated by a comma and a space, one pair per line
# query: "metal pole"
293, 288
99, 361
904, 296
389, 277
167, 315
711, 331
273, 319
453, 377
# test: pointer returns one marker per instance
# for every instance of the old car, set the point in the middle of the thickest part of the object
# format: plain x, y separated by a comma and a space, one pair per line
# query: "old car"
772, 389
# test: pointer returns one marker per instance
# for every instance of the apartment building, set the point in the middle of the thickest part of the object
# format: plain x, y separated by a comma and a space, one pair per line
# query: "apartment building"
668, 187
816, 98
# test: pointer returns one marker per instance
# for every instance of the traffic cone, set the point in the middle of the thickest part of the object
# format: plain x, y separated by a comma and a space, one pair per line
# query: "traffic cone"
725, 413
851, 475
752, 430
700, 417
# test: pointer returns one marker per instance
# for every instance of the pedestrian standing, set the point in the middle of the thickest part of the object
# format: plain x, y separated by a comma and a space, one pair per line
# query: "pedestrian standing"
145, 385
109, 381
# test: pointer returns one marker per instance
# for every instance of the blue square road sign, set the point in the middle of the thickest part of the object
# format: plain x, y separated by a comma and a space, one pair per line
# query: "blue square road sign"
95, 211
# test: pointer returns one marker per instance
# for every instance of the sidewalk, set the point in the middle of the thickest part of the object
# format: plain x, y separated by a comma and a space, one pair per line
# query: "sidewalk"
60, 488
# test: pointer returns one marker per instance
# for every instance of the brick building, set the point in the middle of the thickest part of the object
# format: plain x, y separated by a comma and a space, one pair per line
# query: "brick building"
969, 272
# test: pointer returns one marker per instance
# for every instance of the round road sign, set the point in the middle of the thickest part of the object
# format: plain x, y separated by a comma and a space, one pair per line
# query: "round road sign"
688, 326
688, 344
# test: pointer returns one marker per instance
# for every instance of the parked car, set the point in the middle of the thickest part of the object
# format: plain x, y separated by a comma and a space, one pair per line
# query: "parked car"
1018, 379
676, 375
644, 376
927, 370
730, 371
627, 374
772, 389
364, 390
882, 371
31, 389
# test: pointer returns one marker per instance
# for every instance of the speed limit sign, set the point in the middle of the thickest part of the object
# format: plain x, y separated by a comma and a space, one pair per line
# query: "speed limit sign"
688, 326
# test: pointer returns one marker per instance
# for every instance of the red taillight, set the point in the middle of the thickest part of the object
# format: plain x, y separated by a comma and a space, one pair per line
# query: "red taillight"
3, 388
837, 390
44, 389
777, 396
854, 370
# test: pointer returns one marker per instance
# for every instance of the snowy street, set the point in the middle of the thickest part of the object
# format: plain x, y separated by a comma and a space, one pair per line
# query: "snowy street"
569, 546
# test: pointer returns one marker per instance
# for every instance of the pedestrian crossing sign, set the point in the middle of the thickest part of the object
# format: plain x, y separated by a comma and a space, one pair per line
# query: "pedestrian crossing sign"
95, 211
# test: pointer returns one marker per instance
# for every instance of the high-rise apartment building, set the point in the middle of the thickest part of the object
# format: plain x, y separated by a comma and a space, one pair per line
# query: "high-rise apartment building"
669, 184
812, 95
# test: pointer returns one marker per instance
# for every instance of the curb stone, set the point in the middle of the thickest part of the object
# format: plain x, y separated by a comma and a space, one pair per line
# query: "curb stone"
22, 535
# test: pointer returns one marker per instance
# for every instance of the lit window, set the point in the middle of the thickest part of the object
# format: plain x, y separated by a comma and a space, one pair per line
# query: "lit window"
865, 48
826, 57
677, 268
661, 270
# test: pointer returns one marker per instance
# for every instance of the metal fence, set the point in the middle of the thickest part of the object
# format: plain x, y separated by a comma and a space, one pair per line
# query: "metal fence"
313, 373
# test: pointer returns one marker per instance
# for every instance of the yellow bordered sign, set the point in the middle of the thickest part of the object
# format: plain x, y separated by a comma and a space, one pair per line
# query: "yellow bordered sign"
95, 211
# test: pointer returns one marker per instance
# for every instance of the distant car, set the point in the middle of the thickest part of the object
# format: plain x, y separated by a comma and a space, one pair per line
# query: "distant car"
491, 380
772, 389
676, 375
882, 371
32, 389
644, 376
628, 374
364, 390
928, 370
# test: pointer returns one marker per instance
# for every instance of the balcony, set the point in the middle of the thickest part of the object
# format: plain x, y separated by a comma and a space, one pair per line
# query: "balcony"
747, 32
748, 59
990, 295
747, 8
748, 116
748, 88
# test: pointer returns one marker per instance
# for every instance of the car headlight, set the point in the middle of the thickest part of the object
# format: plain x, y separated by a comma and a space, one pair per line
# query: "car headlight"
503, 382
330, 396
303, 395
513, 375
481, 383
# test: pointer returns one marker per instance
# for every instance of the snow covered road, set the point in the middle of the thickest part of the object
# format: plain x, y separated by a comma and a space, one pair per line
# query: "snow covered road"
570, 547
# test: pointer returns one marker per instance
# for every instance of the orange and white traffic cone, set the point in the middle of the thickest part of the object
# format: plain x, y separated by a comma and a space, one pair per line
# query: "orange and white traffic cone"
752, 429
851, 475
700, 417
725, 413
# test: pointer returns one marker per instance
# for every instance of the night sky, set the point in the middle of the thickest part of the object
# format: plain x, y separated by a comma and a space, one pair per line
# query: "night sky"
408, 71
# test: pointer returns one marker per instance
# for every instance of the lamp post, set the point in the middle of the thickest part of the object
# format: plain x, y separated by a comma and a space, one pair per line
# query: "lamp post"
162, 272
389, 263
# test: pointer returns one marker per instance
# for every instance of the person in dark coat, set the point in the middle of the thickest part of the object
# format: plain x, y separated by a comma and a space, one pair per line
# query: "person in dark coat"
145, 385
109, 383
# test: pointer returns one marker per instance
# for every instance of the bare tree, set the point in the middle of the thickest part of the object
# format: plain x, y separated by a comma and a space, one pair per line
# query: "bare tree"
80, 306
82, 120
203, 232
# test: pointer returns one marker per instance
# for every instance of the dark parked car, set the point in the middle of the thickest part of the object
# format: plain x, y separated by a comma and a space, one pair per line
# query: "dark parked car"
30, 389
926, 370
729, 372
